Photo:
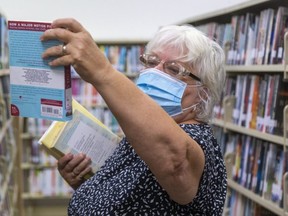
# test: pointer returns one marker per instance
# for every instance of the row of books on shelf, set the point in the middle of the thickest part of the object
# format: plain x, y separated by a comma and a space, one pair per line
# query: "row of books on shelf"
252, 38
124, 58
3, 43
7, 172
259, 101
7, 153
239, 205
40, 171
33, 154
86, 94
7, 204
46, 182
7, 150
257, 165
4, 99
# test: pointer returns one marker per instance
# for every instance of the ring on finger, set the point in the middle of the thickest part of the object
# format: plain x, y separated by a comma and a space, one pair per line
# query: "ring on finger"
75, 173
64, 49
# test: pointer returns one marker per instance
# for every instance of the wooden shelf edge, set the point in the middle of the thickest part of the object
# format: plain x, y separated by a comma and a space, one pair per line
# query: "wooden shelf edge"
28, 166
224, 11
123, 41
7, 176
5, 127
255, 68
250, 132
4, 72
28, 196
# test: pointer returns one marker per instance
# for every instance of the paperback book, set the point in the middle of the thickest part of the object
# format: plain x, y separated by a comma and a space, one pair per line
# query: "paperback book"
83, 134
37, 90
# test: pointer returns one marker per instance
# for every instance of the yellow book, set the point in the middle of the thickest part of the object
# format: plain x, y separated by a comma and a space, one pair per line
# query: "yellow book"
84, 133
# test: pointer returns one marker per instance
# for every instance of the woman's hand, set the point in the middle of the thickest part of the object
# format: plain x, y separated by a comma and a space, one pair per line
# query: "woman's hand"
73, 168
80, 50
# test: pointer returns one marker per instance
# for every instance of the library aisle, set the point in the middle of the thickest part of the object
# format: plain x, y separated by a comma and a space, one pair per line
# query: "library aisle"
250, 123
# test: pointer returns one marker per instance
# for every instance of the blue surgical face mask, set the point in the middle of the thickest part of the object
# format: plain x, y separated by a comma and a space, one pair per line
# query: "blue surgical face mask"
166, 90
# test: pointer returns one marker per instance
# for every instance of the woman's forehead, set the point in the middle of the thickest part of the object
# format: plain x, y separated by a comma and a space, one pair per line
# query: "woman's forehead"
169, 53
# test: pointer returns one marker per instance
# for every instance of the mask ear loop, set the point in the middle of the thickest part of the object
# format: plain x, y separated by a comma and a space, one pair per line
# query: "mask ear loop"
194, 106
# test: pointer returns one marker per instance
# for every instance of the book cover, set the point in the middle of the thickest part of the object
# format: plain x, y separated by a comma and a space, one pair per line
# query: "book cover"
271, 121
250, 163
256, 163
252, 38
253, 102
234, 42
269, 102
262, 36
245, 100
269, 171
277, 186
37, 90
261, 168
237, 165
238, 95
263, 88
246, 140
270, 36
83, 134
280, 103
242, 36
283, 28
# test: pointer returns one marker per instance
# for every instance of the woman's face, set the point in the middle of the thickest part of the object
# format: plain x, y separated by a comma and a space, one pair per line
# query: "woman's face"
190, 96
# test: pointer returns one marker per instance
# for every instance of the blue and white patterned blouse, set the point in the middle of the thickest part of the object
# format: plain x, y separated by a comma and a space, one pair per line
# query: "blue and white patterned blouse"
126, 186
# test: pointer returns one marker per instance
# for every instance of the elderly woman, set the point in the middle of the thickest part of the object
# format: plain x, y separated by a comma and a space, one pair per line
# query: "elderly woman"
169, 162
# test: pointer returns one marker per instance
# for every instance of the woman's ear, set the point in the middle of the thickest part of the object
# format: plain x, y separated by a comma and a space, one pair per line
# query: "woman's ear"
203, 93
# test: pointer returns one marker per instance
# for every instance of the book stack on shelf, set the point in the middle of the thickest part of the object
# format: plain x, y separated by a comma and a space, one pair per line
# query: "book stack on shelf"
8, 148
250, 121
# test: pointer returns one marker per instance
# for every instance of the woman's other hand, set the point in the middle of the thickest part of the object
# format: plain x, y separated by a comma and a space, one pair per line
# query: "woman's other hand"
73, 168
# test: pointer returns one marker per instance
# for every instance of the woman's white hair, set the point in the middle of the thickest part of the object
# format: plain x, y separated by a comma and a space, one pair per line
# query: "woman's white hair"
202, 54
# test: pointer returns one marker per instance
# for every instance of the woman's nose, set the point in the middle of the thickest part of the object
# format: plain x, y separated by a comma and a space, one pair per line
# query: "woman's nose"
160, 66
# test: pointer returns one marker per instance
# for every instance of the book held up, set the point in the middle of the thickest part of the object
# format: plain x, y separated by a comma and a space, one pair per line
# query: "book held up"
37, 90
83, 134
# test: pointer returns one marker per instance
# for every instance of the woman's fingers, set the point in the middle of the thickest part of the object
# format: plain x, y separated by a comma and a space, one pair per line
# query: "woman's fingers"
78, 50
63, 30
61, 34
80, 176
81, 167
63, 161
61, 51
73, 168
68, 23
68, 162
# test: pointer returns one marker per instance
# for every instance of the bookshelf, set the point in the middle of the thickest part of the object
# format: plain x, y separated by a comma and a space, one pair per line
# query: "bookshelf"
8, 135
40, 180
252, 54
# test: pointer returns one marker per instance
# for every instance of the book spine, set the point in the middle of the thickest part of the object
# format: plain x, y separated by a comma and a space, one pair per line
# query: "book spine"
68, 90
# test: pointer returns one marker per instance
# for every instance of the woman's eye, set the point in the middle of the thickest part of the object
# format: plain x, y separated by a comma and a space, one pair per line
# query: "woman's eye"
173, 70
152, 63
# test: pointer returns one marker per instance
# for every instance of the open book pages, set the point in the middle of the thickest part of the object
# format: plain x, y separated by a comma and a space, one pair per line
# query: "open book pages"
83, 134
